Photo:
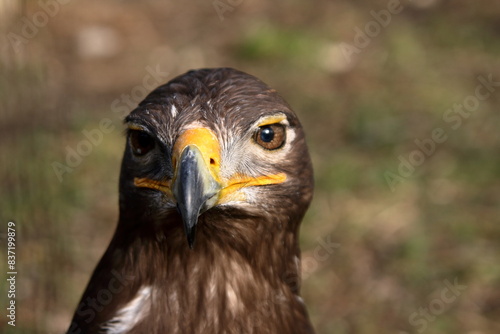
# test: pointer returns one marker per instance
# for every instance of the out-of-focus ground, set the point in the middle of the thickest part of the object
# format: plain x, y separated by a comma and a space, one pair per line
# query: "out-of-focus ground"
403, 235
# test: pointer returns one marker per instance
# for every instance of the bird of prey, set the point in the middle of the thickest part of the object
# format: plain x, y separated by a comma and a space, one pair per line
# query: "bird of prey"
215, 179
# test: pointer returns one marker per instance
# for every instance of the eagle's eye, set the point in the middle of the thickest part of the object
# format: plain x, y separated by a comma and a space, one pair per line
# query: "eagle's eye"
141, 142
270, 136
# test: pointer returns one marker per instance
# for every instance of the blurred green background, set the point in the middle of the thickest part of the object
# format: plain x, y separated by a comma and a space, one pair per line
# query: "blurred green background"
402, 225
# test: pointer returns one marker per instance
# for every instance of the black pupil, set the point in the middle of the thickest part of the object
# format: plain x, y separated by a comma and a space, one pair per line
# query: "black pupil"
143, 142
267, 134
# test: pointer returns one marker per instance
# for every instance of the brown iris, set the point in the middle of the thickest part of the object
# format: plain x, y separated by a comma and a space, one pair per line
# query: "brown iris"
271, 136
141, 142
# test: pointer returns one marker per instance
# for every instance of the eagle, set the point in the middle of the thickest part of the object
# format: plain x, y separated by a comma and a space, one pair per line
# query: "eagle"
215, 180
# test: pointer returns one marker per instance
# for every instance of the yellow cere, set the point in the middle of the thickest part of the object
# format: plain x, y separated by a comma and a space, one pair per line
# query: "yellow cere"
208, 144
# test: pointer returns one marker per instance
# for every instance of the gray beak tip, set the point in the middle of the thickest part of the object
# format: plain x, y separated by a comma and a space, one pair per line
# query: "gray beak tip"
193, 188
190, 234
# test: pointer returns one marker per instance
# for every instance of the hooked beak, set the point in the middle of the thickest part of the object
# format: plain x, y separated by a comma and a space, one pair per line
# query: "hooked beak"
197, 185
194, 188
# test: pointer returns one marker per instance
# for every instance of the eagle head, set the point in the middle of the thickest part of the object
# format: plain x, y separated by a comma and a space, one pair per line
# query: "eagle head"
214, 142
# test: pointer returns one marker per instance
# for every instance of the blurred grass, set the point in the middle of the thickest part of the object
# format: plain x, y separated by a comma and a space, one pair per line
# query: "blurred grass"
396, 248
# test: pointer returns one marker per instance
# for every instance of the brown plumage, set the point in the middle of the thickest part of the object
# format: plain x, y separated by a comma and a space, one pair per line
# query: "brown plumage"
218, 157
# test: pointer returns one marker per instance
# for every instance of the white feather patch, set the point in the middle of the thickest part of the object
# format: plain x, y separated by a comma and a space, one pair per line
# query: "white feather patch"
130, 315
173, 111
